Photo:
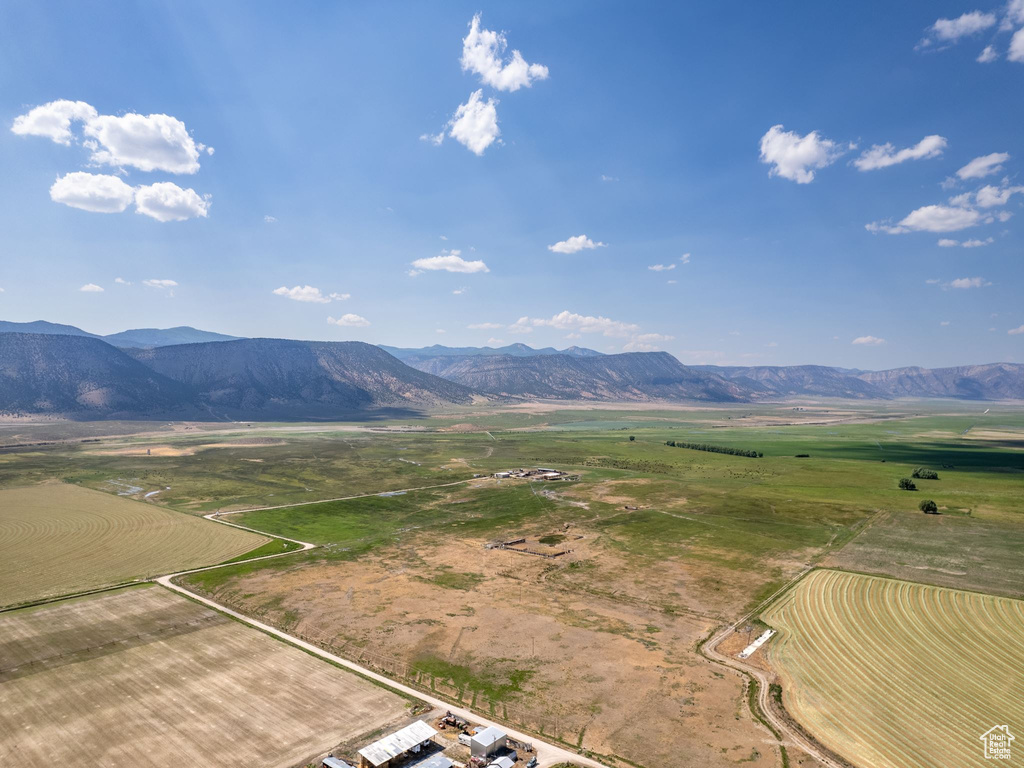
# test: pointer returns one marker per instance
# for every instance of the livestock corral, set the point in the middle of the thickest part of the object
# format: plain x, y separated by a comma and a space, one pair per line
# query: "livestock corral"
141, 676
895, 674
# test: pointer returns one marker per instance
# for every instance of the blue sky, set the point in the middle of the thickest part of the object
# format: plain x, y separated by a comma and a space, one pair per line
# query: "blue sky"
646, 133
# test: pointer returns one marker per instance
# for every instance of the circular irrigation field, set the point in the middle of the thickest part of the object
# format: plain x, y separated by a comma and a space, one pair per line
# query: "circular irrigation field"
895, 674
57, 538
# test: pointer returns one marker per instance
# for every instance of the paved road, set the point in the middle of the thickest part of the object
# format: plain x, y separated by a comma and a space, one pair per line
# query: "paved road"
547, 754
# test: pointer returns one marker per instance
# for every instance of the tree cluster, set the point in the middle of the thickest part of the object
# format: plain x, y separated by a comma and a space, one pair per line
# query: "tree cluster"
715, 449
929, 507
906, 484
923, 473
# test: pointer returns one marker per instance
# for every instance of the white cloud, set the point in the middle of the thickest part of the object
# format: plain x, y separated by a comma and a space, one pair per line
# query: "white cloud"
493, 342
270, 219
161, 284
661, 267
91, 288
1016, 331
484, 326
575, 245
570, 321
521, 326
646, 342
977, 243
1016, 51
605, 177
460, 291
475, 123
94, 192
147, 142
449, 261
310, 294
991, 196
968, 282
931, 218
437, 139
944, 322
987, 55
53, 120
884, 155
482, 52
349, 321
795, 157
947, 243
685, 258
951, 30
440, 330
772, 344
121, 281
166, 201
1004, 216
671, 282
983, 166
871, 341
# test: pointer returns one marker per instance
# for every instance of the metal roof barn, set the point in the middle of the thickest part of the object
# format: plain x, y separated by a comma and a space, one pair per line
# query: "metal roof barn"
397, 743
487, 741
434, 761
502, 762
334, 762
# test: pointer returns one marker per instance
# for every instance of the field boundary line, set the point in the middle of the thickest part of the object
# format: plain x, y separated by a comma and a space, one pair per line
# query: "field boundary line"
214, 515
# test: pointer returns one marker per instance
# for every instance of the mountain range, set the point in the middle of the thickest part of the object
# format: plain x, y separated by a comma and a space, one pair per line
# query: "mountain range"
187, 373
138, 337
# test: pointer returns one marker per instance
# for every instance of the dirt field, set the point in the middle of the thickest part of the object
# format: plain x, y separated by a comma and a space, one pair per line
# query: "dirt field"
80, 687
890, 673
609, 672
57, 538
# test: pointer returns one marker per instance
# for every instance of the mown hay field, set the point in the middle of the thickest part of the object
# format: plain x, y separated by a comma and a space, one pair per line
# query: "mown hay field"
142, 676
57, 538
896, 674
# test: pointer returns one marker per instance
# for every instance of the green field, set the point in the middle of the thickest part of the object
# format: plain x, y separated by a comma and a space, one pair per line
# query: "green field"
888, 673
667, 542
57, 539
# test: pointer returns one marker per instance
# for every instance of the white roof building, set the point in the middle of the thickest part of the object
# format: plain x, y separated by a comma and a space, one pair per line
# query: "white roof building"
487, 742
409, 739
502, 762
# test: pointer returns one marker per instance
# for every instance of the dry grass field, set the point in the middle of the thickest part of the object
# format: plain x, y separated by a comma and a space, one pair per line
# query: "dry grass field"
144, 677
58, 538
890, 673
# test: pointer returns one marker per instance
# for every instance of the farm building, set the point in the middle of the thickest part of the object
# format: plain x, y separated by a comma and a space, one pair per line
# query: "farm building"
487, 742
502, 762
334, 762
408, 741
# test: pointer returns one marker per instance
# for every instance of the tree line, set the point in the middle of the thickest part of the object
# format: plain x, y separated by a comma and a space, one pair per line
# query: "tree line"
715, 449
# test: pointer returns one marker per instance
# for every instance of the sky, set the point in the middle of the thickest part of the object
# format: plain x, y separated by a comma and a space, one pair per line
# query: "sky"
768, 184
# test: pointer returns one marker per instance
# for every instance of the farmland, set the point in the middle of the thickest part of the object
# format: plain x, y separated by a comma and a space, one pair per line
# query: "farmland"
144, 677
57, 538
598, 648
890, 673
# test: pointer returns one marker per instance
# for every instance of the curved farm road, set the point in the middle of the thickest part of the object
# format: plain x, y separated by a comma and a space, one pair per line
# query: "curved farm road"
547, 754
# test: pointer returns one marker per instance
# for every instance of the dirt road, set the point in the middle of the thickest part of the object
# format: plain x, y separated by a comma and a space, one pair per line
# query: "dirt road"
547, 754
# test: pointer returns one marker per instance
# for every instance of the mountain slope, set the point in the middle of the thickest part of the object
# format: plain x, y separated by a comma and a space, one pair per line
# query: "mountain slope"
81, 377
628, 377
516, 350
994, 381
793, 380
164, 337
43, 326
263, 378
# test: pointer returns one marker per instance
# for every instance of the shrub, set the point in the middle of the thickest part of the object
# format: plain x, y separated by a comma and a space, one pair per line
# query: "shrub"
632, 438
906, 484
929, 507
922, 473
